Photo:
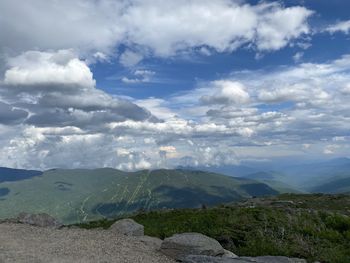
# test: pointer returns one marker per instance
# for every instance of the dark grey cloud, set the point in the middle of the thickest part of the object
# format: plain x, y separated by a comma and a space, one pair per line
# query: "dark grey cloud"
59, 90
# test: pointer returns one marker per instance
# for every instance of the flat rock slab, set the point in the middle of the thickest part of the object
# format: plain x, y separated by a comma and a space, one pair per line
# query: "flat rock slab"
30, 244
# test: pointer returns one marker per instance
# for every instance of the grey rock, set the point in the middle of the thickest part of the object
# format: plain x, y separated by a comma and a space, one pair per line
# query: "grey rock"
22, 243
210, 259
127, 227
229, 254
264, 259
274, 259
181, 245
151, 242
41, 220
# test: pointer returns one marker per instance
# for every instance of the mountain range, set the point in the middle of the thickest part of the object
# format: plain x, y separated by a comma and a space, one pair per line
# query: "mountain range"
79, 195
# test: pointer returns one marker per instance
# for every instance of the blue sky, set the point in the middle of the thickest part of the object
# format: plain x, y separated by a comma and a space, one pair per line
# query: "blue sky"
148, 84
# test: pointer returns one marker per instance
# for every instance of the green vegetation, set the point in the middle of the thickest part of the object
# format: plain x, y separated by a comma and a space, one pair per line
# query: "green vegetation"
315, 227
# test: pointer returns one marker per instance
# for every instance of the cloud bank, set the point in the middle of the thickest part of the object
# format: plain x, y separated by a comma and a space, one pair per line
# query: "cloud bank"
219, 122
52, 113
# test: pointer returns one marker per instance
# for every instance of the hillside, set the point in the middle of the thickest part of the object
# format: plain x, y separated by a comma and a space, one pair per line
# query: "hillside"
83, 195
315, 227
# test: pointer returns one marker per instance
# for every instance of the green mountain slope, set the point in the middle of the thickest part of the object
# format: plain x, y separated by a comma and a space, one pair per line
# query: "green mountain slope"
83, 195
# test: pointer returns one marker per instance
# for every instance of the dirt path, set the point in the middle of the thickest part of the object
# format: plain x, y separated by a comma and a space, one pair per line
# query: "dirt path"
24, 243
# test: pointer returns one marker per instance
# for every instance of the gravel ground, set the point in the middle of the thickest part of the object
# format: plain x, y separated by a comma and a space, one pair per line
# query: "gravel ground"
29, 244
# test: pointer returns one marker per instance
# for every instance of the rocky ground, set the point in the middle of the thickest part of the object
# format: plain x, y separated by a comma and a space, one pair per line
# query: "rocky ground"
29, 244
38, 238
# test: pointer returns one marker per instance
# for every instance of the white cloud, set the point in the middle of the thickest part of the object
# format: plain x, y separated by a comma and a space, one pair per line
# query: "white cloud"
226, 92
150, 28
44, 68
298, 56
158, 107
85, 26
187, 24
277, 26
139, 76
342, 26
130, 58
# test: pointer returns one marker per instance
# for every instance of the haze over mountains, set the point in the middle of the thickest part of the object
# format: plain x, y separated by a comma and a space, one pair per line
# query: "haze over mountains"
313, 176
78, 195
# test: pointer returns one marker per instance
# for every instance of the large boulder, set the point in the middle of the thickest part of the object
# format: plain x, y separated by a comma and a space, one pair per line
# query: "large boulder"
264, 259
181, 245
127, 227
42, 220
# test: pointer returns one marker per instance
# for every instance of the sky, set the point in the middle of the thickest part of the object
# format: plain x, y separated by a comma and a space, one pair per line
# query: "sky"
146, 84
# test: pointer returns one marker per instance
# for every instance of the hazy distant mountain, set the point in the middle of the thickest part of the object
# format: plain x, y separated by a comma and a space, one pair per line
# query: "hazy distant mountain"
310, 175
275, 180
298, 177
80, 195
336, 185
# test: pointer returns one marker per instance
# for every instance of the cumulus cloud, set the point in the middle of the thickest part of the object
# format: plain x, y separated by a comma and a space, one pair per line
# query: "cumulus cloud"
278, 26
34, 68
187, 24
62, 92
